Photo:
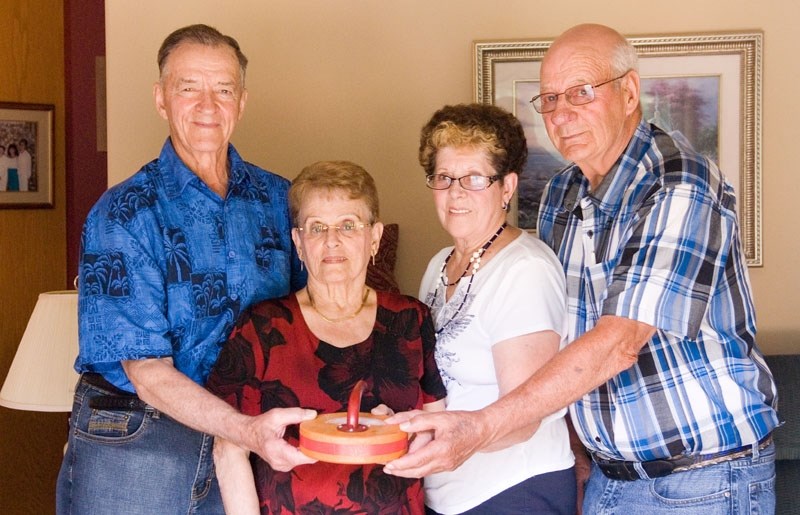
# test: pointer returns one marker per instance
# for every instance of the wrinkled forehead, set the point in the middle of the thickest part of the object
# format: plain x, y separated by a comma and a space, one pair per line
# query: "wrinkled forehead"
191, 57
567, 65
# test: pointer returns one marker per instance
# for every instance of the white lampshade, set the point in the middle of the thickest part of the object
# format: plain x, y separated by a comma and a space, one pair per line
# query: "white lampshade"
42, 377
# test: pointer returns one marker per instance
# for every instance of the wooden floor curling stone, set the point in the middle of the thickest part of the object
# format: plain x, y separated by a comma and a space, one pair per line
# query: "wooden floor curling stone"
354, 437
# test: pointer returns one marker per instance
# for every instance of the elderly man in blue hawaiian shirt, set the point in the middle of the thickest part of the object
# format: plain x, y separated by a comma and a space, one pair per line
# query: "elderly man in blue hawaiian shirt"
169, 259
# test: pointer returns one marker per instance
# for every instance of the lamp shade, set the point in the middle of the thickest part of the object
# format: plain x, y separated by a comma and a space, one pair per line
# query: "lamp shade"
42, 377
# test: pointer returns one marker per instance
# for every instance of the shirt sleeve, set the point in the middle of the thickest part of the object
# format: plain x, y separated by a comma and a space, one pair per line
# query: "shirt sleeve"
122, 307
665, 273
530, 297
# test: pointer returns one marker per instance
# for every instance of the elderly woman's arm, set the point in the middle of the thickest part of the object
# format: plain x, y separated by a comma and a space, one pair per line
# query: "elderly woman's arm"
515, 360
235, 476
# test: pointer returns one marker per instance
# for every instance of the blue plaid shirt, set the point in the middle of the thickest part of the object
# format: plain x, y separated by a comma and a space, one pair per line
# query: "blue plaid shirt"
166, 266
658, 242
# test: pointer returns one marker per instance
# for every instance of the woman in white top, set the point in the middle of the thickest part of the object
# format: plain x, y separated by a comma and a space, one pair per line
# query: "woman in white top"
499, 306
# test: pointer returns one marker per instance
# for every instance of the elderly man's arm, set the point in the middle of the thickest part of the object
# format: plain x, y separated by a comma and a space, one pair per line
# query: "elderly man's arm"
162, 386
609, 348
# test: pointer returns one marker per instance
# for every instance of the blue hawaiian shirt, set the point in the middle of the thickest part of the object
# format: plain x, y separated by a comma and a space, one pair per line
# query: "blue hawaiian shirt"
166, 265
658, 242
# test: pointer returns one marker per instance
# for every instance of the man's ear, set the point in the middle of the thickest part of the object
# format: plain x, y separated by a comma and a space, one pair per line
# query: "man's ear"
631, 86
158, 97
242, 103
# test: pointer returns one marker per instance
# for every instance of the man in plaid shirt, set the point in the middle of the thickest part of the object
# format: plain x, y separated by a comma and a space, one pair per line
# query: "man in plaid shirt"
668, 390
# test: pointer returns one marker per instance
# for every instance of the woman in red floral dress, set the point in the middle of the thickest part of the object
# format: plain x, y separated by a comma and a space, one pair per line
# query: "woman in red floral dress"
310, 349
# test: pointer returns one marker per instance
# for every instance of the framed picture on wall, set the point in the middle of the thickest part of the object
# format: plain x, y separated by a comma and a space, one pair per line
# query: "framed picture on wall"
704, 88
26, 155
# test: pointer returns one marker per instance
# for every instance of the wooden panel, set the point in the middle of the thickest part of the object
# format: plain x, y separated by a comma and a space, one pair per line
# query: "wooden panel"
32, 252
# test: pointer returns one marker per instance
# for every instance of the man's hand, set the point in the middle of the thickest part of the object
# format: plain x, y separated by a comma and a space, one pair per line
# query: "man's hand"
267, 437
457, 435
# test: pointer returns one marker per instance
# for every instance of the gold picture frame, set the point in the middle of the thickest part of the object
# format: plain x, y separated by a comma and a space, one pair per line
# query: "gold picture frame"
720, 71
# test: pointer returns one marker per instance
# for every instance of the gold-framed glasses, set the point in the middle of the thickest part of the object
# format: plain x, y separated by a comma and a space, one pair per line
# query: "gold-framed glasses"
575, 95
346, 229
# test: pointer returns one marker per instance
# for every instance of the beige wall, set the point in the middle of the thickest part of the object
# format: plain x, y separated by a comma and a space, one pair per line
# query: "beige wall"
356, 80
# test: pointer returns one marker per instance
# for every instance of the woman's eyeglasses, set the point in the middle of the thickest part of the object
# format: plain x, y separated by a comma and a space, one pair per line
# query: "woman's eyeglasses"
439, 181
346, 229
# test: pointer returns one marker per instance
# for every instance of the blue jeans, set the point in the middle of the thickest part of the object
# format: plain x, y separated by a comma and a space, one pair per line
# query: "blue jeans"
744, 486
551, 493
137, 462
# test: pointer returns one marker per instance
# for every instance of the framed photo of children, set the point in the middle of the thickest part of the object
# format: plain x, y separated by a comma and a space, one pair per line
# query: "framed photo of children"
703, 88
26, 155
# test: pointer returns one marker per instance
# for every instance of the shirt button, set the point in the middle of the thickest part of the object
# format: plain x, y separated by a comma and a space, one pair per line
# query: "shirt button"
234, 296
590, 233
231, 254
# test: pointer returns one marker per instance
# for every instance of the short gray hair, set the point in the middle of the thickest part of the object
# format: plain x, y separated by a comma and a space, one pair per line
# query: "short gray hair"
203, 35
623, 58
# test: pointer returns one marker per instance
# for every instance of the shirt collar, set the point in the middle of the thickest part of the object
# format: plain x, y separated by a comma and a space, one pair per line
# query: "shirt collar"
176, 175
609, 195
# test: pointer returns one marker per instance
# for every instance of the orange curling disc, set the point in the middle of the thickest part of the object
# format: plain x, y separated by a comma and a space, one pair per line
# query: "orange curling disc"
323, 439
352, 437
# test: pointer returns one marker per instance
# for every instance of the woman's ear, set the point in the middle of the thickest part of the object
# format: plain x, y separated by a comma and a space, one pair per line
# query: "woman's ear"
510, 182
297, 242
377, 232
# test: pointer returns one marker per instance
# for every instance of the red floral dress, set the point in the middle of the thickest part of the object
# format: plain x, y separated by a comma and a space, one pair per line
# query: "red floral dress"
272, 360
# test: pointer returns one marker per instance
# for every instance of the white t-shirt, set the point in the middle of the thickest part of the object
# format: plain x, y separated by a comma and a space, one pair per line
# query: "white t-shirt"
519, 291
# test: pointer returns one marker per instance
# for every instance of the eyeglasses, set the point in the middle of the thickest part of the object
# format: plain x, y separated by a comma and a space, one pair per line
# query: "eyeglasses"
347, 229
440, 181
576, 95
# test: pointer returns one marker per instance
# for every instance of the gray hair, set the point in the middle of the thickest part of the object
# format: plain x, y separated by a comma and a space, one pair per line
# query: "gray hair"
623, 58
203, 35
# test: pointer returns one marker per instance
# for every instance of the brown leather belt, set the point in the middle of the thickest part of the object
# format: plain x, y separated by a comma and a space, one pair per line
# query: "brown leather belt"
116, 399
629, 470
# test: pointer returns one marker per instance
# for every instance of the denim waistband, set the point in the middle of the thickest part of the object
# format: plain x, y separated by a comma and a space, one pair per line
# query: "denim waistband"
115, 399
633, 470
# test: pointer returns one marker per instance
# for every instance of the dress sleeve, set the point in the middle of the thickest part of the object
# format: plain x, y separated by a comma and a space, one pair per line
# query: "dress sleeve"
233, 373
431, 382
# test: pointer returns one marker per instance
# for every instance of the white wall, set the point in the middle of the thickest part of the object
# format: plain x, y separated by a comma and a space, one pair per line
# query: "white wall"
356, 79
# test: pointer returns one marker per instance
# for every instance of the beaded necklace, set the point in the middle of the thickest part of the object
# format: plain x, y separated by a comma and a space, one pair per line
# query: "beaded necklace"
474, 264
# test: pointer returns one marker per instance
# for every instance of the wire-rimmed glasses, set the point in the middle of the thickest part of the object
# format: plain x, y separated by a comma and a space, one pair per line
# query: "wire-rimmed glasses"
575, 95
346, 229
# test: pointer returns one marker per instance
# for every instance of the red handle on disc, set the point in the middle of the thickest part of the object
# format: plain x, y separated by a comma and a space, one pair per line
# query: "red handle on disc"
353, 407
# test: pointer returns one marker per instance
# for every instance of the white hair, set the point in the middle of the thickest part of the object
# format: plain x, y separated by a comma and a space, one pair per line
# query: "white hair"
624, 58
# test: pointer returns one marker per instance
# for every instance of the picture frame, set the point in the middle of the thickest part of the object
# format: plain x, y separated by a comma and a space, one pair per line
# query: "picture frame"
26, 172
720, 73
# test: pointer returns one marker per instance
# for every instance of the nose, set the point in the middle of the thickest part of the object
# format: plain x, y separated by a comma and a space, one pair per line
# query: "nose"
332, 237
206, 101
563, 112
456, 189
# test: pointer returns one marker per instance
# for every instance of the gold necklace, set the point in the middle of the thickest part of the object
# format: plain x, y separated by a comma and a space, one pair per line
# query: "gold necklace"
342, 319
